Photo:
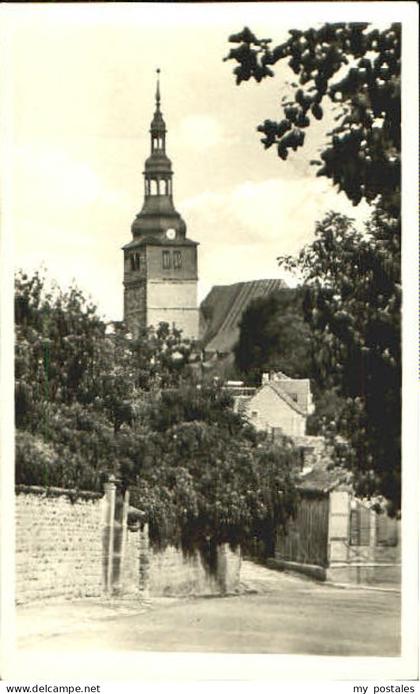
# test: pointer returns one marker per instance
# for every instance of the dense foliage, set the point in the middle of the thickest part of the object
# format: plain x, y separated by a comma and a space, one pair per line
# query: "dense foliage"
78, 383
359, 71
274, 336
353, 304
91, 400
206, 477
352, 280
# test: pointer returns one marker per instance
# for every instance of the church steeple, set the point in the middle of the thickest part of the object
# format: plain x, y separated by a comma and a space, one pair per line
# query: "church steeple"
157, 126
157, 90
158, 212
160, 262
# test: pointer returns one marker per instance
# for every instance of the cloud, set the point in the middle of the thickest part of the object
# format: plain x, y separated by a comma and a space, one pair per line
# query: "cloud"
200, 131
59, 175
69, 218
242, 231
74, 220
274, 210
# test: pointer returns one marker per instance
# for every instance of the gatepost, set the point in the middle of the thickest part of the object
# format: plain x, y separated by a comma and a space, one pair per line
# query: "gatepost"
338, 527
110, 493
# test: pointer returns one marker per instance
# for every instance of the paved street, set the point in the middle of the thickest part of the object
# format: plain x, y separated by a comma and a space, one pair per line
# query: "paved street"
276, 613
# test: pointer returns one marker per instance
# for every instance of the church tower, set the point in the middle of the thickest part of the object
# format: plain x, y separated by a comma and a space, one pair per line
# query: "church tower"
160, 263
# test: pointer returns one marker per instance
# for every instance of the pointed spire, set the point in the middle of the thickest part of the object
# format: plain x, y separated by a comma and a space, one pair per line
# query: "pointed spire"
158, 90
157, 126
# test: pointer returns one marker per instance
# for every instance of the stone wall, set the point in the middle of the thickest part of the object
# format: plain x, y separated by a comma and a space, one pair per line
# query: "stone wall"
173, 302
169, 572
131, 582
68, 546
135, 305
58, 544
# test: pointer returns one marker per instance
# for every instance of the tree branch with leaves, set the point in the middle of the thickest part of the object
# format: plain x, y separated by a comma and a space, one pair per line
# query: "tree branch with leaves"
357, 69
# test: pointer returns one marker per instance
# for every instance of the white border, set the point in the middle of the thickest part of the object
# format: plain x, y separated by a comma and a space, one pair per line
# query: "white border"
179, 667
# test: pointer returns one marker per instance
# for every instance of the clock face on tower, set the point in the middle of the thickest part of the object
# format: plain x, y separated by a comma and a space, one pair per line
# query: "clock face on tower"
170, 234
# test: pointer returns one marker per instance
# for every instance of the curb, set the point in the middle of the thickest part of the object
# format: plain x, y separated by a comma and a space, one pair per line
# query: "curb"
362, 586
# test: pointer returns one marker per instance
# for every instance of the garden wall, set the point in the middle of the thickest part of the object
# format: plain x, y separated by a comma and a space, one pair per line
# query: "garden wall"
71, 545
171, 573
59, 548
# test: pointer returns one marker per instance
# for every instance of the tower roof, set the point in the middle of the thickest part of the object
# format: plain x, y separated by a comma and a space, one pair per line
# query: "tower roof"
158, 124
158, 213
158, 162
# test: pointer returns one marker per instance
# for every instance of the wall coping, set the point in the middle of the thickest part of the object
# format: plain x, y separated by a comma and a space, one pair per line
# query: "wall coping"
358, 564
313, 491
313, 570
72, 494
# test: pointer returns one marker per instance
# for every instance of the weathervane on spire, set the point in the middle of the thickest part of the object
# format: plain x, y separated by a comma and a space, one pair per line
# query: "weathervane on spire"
157, 89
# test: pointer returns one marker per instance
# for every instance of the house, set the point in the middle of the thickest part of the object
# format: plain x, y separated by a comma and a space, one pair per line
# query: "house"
281, 405
335, 535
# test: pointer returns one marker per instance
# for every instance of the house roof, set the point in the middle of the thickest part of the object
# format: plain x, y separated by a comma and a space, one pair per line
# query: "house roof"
322, 475
278, 390
320, 479
222, 309
151, 240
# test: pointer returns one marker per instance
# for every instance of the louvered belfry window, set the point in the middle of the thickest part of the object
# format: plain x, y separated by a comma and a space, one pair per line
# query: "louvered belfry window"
166, 260
177, 260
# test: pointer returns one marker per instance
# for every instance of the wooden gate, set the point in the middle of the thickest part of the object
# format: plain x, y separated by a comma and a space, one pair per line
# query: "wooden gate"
305, 539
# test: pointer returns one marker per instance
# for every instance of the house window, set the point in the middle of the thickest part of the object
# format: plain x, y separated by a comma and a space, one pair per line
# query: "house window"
166, 260
177, 260
360, 526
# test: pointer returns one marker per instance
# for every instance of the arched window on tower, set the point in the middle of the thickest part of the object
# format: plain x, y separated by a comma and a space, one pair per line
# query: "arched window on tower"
153, 186
166, 260
177, 260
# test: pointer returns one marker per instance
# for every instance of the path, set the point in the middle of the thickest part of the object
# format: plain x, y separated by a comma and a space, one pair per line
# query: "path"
277, 613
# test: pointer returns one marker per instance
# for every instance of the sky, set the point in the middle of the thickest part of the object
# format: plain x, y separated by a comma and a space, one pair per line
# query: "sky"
80, 106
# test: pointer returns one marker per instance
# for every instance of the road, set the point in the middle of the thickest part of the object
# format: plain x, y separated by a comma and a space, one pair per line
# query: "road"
277, 613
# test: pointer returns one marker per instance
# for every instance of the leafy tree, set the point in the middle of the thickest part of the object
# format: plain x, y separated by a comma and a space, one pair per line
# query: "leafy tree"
352, 304
163, 358
204, 477
274, 335
133, 407
359, 71
353, 297
79, 382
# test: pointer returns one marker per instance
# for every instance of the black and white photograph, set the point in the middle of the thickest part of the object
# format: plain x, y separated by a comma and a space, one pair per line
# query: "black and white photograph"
209, 301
